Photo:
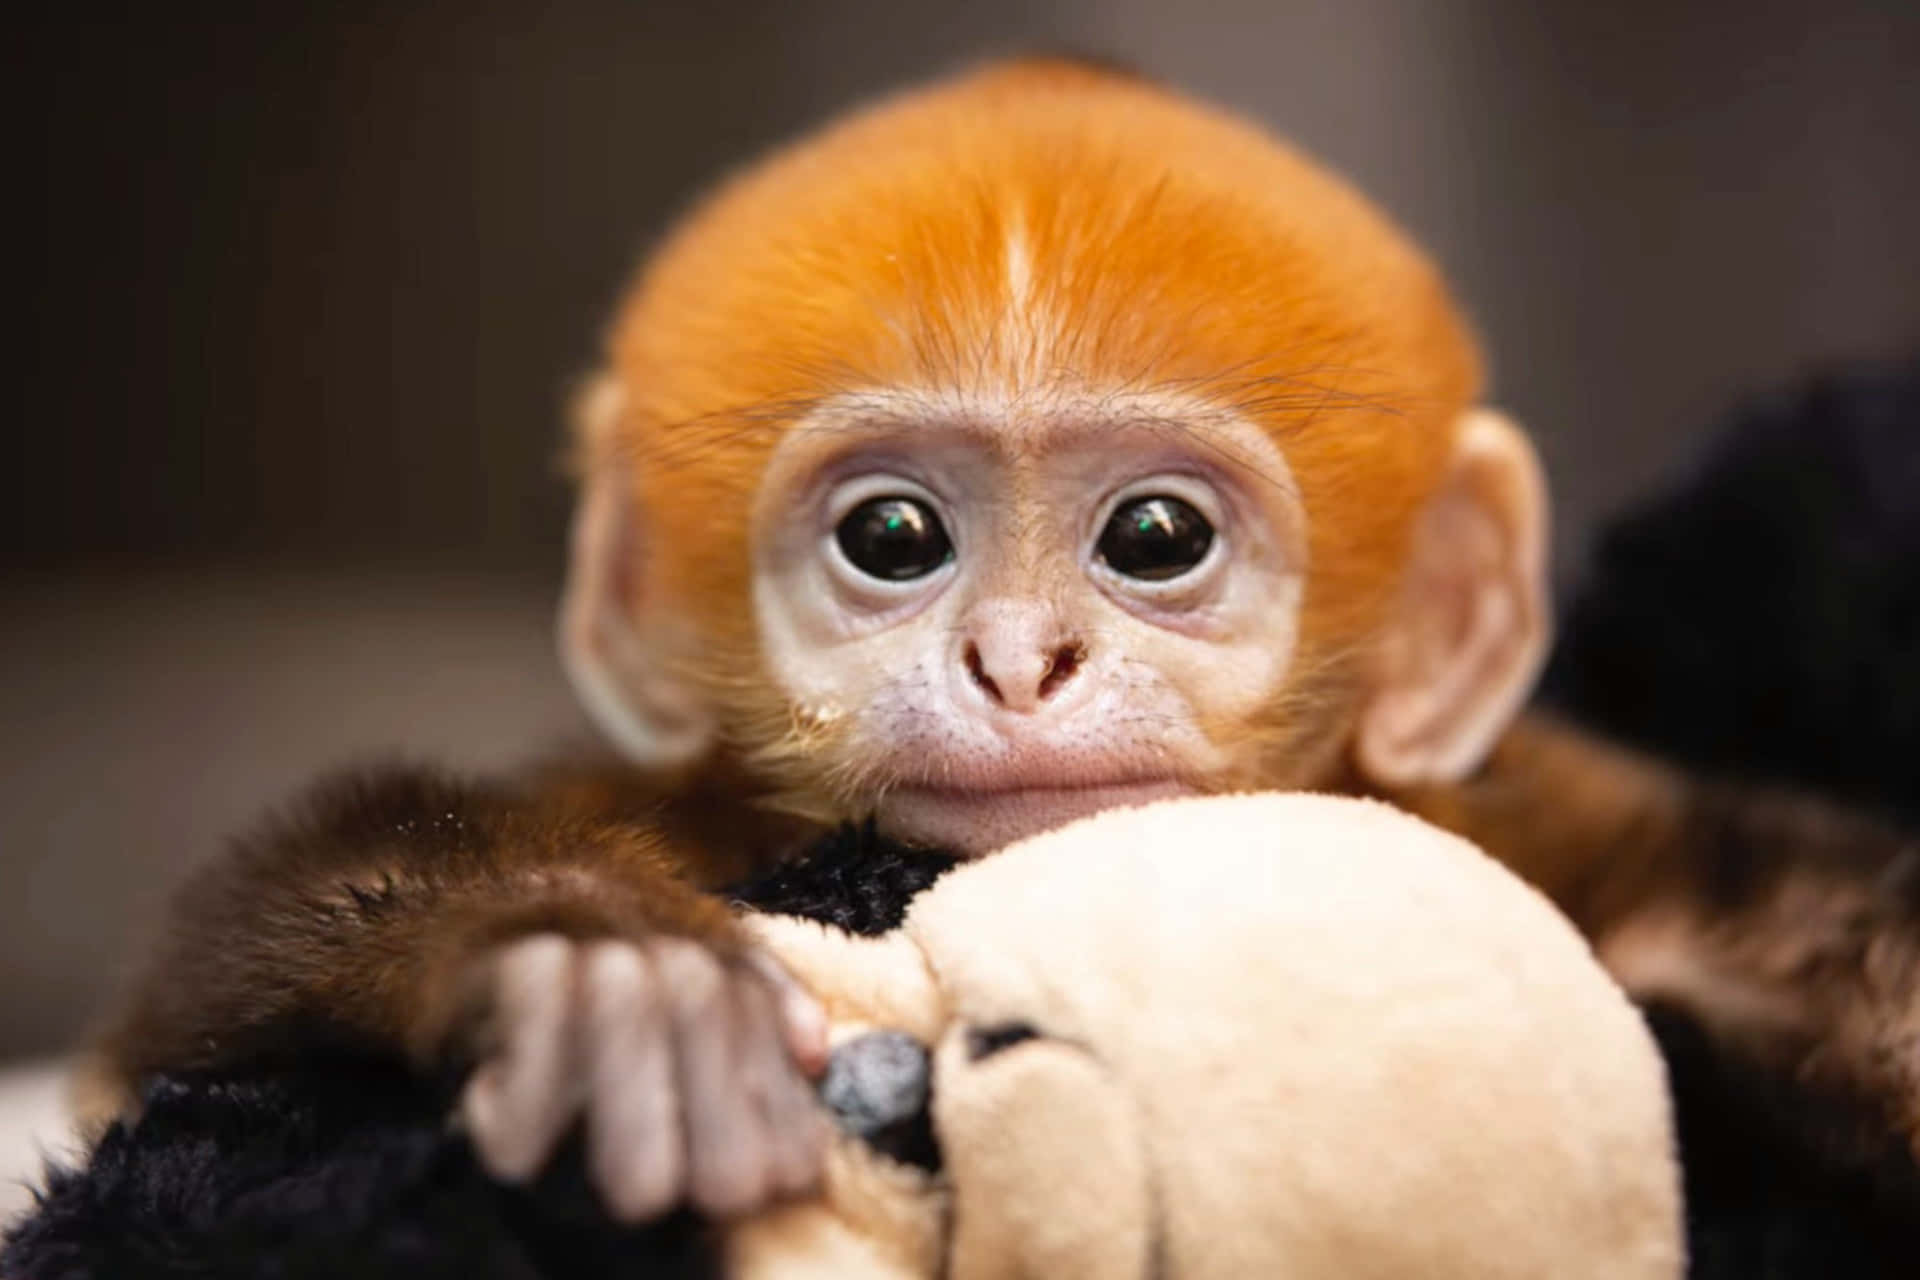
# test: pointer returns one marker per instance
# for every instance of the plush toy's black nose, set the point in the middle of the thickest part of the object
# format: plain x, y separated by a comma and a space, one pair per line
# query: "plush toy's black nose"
879, 1087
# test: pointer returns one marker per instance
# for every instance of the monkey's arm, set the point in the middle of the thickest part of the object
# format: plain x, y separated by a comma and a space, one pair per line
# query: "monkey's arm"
346, 923
1787, 928
539, 948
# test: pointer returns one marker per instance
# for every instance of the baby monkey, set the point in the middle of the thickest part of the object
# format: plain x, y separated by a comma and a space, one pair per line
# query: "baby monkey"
1031, 444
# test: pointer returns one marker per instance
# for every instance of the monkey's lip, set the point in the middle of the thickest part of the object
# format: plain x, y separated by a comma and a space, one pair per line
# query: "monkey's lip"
973, 820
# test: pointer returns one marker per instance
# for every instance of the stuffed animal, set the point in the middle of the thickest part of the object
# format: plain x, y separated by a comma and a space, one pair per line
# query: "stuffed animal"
1284, 1035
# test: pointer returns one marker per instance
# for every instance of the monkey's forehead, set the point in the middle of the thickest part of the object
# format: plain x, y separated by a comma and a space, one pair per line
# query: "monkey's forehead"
1039, 223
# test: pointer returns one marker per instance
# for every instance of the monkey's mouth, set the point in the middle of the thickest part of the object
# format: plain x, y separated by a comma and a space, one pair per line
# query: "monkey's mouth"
976, 820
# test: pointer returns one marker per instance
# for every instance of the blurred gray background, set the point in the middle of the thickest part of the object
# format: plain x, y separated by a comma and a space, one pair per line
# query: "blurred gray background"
304, 290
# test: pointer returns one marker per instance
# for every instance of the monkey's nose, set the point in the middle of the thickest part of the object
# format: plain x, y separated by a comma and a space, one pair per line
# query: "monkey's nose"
1017, 653
1022, 681
879, 1087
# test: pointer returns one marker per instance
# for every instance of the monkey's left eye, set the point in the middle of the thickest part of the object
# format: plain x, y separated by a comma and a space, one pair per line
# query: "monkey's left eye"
1155, 538
894, 539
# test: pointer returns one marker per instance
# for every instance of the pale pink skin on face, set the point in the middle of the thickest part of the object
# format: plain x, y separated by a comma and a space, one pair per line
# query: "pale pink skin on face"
1026, 683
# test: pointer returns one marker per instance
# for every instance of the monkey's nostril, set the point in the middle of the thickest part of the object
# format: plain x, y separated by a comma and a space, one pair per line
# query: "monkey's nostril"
1065, 661
977, 669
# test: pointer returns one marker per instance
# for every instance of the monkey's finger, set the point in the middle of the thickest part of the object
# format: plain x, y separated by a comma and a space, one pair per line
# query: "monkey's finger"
802, 1019
725, 1148
800, 1135
635, 1147
757, 1055
795, 1131
519, 1102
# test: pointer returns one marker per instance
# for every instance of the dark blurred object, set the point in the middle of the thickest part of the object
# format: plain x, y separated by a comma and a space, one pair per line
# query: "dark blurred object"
1762, 620
338, 1171
1767, 1195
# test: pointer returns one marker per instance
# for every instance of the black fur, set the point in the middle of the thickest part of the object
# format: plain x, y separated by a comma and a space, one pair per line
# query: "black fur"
1766, 1199
853, 879
338, 1170
1762, 620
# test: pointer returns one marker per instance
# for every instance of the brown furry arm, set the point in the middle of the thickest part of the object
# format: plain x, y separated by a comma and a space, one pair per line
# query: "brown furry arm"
352, 923
1787, 928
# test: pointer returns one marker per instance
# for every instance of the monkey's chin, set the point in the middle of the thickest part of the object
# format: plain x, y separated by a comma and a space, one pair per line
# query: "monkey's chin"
973, 822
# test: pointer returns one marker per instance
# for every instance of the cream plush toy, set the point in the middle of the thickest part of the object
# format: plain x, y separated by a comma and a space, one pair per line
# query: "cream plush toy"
1274, 1035
1268, 1035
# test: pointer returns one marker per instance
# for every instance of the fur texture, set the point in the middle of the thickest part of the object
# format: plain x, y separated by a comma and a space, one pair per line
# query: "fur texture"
852, 880
327, 1171
1015, 239
342, 1170
1123, 1137
1286, 1034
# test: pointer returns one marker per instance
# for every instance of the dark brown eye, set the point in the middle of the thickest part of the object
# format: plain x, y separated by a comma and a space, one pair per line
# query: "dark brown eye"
894, 539
1155, 538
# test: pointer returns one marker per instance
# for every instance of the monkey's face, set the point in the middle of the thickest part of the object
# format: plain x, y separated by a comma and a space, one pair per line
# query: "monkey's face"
990, 618
1039, 443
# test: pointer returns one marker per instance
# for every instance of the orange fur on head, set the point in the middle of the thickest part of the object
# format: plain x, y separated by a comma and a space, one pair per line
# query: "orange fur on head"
1035, 233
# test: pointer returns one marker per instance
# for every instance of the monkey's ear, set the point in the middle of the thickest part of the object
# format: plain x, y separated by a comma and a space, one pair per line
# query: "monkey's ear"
1474, 622
624, 662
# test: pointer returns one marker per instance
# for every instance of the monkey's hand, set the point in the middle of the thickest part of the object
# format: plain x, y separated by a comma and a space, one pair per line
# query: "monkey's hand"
685, 1067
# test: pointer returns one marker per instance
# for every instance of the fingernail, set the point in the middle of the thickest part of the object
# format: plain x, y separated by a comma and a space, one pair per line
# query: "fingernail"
806, 1024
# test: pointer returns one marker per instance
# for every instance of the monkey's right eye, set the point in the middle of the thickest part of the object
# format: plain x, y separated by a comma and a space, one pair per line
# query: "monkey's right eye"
894, 539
